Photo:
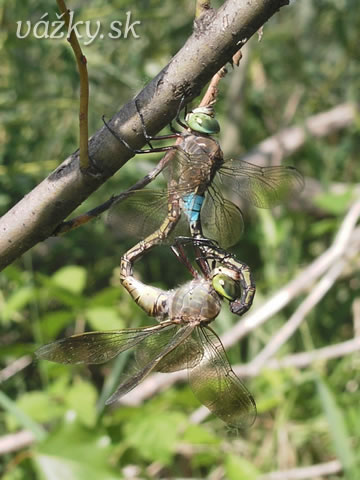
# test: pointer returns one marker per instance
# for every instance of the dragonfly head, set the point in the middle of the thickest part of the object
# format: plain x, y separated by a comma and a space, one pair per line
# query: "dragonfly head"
226, 283
202, 120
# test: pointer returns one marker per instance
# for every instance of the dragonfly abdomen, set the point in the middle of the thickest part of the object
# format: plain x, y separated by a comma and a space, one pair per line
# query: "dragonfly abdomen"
192, 206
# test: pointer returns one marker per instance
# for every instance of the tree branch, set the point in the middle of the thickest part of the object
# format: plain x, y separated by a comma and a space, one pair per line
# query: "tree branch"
216, 39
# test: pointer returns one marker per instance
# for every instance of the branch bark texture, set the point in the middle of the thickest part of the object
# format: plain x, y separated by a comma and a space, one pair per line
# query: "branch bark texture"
217, 36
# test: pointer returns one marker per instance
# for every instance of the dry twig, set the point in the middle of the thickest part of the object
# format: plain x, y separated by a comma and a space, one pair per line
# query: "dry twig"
16, 441
314, 471
15, 367
84, 90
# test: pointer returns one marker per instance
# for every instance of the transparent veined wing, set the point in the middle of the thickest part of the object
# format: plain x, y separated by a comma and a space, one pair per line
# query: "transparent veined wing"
217, 387
221, 219
142, 213
188, 353
264, 187
97, 347
165, 346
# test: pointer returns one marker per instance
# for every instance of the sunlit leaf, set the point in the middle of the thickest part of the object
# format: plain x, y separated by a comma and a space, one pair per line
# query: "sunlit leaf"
71, 277
335, 204
81, 398
155, 436
16, 302
21, 417
74, 453
196, 434
104, 318
238, 468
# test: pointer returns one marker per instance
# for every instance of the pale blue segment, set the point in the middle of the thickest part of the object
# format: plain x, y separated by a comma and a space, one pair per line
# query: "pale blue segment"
192, 206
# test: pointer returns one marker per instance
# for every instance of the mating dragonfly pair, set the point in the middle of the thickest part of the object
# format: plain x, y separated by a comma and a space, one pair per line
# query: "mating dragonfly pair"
194, 204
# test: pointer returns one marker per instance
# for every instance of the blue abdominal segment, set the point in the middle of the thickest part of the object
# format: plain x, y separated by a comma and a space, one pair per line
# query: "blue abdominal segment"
192, 206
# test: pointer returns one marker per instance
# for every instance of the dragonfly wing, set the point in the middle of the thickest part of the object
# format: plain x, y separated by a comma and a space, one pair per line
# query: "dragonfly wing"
180, 335
221, 220
217, 387
95, 347
264, 187
142, 213
185, 355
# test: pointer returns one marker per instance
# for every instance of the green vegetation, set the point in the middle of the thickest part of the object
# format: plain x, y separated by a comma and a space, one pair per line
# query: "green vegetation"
306, 63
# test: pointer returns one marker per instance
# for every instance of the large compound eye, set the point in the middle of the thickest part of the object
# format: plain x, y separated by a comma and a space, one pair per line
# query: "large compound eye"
202, 123
226, 286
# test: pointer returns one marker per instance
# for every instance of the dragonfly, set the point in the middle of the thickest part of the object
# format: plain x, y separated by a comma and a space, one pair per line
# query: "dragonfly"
195, 203
183, 339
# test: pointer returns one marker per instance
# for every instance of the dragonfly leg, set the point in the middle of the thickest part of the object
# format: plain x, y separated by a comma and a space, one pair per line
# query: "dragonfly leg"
179, 251
146, 150
178, 120
142, 294
200, 259
248, 289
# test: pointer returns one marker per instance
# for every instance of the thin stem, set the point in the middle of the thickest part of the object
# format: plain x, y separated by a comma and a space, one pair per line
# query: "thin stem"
84, 89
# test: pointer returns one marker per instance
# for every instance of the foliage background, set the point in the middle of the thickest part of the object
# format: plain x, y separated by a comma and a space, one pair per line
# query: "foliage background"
307, 62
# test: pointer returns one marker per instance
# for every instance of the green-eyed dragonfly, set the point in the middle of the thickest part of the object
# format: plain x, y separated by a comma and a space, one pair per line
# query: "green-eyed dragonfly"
197, 176
182, 339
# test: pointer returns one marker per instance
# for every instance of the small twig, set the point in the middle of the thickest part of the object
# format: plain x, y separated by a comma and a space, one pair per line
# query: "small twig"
16, 441
304, 359
290, 327
15, 367
211, 94
84, 89
302, 473
289, 140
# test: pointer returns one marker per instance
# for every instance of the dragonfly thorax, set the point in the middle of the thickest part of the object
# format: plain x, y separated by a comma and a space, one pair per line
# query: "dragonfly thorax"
205, 158
196, 301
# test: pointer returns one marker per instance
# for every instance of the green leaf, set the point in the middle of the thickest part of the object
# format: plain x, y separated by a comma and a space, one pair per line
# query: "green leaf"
337, 426
155, 436
238, 468
81, 398
104, 318
74, 453
107, 296
332, 203
16, 302
71, 277
38, 406
21, 417
323, 227
53, 322
197, 434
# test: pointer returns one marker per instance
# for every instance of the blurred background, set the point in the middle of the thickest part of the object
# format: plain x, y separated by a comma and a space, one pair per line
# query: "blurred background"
53, 422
